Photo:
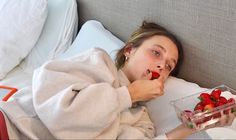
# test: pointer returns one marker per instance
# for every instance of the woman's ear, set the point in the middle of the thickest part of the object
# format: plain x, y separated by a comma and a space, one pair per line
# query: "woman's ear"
128, 49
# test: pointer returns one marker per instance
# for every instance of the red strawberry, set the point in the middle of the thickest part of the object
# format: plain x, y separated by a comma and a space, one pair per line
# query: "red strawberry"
231, 100
207, 117
223, 100
207, 101
204, 96
188, 114
218, 104
155, 75
216, 115
226, 111
199, 107
209, 106
199, 121
215, 94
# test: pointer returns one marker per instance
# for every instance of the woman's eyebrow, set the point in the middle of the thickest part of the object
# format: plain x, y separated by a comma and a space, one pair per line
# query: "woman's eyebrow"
159, 46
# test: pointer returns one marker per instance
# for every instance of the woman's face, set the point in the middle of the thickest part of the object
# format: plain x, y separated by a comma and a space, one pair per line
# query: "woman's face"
157, 53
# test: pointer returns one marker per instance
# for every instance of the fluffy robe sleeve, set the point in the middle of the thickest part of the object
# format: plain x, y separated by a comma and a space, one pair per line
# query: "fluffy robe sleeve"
80, 97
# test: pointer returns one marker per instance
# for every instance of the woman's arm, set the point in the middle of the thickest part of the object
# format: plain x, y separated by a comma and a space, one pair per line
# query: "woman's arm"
145, 125
79, 98
180, 132
136, 124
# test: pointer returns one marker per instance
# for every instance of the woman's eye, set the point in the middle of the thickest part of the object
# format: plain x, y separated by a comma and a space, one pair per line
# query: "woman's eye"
157, 53
168, 67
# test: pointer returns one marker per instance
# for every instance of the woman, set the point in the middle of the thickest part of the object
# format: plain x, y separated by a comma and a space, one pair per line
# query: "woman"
89, 97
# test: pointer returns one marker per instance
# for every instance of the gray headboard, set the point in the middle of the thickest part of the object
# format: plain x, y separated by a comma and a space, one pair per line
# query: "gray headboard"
207, 29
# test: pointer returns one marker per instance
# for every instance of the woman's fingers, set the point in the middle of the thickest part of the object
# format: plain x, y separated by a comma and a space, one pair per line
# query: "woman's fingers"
160, 84
230, 119
146, 89
148, 75
224, 120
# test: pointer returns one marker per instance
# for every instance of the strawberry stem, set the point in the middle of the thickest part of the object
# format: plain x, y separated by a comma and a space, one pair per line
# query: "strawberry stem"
200, 98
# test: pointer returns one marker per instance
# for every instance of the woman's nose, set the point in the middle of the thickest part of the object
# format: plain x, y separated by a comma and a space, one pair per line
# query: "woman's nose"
161, 66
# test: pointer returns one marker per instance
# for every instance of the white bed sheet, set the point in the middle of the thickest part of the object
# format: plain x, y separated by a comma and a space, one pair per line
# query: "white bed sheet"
17, 78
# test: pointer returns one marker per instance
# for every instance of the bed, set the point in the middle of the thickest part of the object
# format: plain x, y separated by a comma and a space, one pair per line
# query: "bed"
207, 30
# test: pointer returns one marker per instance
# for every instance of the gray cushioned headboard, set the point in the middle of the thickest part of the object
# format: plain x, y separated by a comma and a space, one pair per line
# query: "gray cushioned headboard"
207, 29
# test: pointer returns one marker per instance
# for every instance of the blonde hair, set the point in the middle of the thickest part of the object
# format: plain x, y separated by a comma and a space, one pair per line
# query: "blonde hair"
145, 31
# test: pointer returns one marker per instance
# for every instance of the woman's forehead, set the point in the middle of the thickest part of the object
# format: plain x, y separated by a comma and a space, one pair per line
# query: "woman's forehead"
163, 43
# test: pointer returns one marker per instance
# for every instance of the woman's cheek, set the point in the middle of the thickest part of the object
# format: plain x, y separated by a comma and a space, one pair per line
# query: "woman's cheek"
140, 73
166, 75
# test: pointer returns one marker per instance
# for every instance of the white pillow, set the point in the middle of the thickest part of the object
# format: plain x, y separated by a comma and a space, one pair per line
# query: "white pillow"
93, 34
57, 34
21, 24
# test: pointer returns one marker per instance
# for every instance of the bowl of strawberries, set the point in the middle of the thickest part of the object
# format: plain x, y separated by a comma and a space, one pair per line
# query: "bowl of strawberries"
205, 108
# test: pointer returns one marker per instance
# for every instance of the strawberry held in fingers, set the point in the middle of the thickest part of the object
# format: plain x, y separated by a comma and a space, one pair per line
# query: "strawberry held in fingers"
155, 75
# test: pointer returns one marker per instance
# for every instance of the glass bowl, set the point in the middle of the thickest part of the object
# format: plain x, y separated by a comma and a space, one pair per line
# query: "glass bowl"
199, 119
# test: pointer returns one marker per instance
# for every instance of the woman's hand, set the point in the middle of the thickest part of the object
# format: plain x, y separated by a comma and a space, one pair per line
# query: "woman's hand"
145, 89
224, 120
183, 131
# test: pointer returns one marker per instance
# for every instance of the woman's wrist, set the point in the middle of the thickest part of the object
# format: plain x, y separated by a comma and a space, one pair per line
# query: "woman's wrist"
180, 132
131, 93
